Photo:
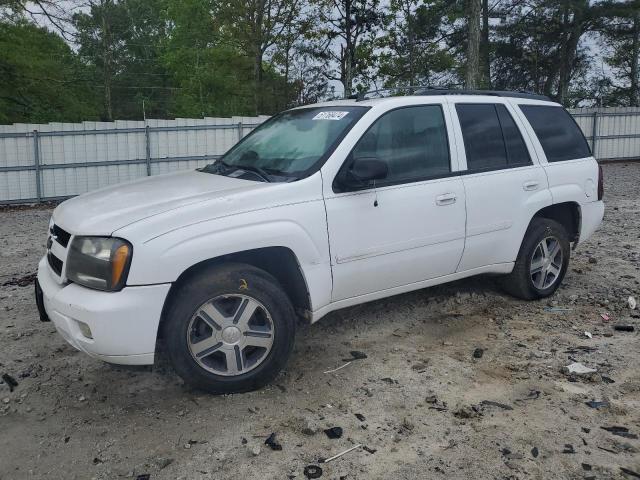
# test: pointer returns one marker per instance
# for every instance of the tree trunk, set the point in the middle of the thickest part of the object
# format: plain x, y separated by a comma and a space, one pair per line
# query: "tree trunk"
485, 61
473, 46
106, 71
348, 53
634, 92
567, 57
258, 55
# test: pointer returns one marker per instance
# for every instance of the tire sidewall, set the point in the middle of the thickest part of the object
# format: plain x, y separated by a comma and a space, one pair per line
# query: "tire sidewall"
240, 279
540, 230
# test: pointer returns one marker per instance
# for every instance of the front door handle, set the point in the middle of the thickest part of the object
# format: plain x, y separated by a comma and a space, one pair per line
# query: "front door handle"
446, 199
530, 185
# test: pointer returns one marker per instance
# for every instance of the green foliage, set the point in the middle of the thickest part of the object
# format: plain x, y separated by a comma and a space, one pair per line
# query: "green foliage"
41, 80
126, 59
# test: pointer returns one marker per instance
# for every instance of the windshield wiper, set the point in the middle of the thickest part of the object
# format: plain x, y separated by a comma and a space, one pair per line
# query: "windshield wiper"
250, 168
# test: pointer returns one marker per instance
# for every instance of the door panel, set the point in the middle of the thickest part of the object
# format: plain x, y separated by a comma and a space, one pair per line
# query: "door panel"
500, 205
407, 238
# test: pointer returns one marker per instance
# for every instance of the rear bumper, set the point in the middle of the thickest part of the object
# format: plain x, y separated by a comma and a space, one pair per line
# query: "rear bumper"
123, 324
592, 214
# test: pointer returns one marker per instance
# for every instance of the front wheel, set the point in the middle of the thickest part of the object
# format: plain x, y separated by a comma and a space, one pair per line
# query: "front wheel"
542, 261
229, 329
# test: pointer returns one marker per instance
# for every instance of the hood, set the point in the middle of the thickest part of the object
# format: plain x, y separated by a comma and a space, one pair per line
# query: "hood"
104, 211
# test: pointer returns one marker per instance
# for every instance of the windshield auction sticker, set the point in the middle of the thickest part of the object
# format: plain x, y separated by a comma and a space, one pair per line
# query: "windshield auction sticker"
330, 115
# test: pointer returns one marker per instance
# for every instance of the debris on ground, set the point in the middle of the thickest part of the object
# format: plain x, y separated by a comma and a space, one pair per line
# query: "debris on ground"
24, 281
620, 431
330, 459
605, 317
272, 443
588, 334
630, 472
312, 471
631, 301
624, 328
339, 368
568, 448
578, 368
526, 344
478, 352
491, 403
360, 417
333, 432
467, 412
144, 476
10, 381
355, 355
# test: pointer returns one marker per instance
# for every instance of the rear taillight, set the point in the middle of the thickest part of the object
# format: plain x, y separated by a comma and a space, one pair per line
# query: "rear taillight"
600, 183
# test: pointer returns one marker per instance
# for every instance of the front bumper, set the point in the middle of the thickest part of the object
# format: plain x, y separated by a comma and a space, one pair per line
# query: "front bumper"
123, 324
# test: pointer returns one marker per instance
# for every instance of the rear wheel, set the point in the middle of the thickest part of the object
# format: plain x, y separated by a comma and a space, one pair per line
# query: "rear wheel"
229, 329
542, 261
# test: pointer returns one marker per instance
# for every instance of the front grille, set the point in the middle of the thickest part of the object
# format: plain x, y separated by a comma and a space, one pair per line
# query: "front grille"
61, 236
57, 238
55, 263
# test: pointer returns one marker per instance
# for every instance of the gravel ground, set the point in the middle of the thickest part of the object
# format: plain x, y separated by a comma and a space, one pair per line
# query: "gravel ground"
421, 402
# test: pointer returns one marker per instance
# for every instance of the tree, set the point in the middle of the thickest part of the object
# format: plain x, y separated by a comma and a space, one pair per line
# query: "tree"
621, 40
412, 51
472, 72
254, 27
123, 42
345, 38
42, 80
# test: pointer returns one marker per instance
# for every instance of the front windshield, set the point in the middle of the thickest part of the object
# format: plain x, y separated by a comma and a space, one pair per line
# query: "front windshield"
292, 142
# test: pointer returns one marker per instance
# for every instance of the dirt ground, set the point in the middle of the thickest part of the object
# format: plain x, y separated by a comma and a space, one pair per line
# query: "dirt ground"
420, 395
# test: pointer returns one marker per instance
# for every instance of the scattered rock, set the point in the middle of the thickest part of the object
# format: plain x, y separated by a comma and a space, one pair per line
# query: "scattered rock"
333, 432
577, 368
11, 382
478, 352
272, 443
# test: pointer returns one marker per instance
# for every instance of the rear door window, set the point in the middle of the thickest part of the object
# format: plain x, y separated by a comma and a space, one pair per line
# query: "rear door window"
483, 141
491, 137
559, 135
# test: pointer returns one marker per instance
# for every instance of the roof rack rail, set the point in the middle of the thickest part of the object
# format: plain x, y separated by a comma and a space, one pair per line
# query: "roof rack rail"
428, 90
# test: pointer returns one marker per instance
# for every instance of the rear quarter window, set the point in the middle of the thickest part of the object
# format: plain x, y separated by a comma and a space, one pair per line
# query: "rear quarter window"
560, 136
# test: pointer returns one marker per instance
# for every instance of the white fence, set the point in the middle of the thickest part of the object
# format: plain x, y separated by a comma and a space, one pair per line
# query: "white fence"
58, 160
613, 133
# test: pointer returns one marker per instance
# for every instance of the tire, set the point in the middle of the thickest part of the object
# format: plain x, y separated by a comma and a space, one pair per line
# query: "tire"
522, 282
206, 328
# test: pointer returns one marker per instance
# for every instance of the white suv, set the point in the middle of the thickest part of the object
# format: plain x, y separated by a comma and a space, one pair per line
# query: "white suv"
321, 207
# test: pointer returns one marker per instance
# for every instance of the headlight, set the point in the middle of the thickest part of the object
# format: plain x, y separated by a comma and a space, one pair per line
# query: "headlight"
99, 262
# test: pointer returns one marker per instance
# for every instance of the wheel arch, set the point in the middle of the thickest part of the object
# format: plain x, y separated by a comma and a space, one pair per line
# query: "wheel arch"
567, 214
280, 262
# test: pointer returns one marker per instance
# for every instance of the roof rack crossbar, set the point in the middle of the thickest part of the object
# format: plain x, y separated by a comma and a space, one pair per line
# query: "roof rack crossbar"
428, 90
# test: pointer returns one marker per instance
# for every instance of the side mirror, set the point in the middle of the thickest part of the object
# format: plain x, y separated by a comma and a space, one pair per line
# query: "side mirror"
365, 169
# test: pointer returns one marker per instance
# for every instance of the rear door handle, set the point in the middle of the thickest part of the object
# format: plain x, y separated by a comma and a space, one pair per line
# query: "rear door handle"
446, 199
530, 185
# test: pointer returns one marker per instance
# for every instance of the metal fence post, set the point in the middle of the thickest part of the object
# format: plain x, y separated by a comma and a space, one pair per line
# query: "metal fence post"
594, 134
240, 131
36, 162
148, 149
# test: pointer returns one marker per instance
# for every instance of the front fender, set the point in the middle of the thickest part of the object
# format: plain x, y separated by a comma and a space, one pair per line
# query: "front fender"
298, 227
